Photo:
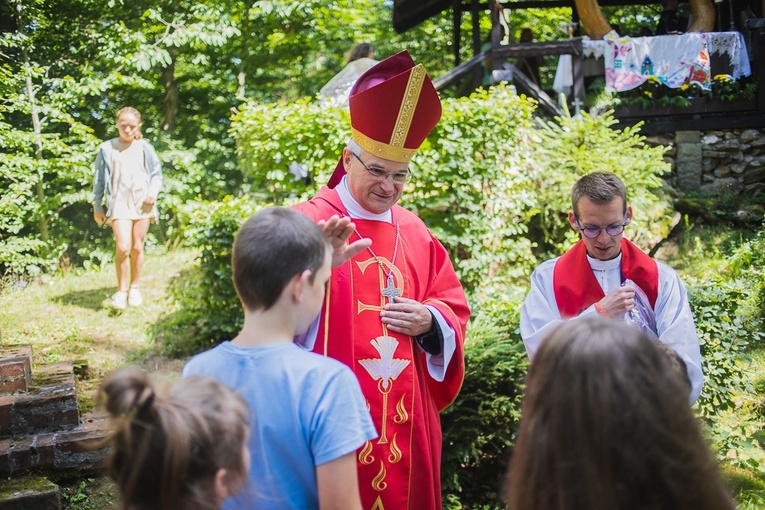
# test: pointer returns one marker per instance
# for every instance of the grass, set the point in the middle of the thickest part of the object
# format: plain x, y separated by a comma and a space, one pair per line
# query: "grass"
63, 318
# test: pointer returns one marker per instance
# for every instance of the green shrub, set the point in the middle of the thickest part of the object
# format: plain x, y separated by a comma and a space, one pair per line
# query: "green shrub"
726, 329
273, 136
209, 307
571, 147
479, 428
724, 333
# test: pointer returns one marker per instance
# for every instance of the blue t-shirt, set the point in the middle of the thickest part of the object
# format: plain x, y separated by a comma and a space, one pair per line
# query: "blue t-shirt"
307, 410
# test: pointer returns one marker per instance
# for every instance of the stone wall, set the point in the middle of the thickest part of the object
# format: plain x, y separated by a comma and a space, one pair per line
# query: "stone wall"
716, 161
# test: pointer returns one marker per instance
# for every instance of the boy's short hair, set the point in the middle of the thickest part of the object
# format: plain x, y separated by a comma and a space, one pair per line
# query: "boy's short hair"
600, 187
271, 248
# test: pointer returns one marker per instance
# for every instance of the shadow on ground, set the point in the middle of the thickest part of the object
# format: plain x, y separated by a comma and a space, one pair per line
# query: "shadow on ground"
92, 299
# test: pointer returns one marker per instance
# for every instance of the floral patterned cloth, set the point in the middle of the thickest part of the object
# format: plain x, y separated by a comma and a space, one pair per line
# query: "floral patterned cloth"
674, 60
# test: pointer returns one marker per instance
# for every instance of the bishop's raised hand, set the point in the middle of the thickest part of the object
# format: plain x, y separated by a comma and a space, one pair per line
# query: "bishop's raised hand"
339, 230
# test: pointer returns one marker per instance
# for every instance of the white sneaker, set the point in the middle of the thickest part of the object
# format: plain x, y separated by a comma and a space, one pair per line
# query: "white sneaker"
134, 297
119, 300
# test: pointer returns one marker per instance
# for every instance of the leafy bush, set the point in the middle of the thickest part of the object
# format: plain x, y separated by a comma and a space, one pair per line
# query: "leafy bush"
209, 307
472, 185
654, 93
479, 428
276, 136
726, 328
724, 333
571, 147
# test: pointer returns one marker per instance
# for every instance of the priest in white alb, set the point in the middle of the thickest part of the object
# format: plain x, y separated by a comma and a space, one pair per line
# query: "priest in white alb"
608, 275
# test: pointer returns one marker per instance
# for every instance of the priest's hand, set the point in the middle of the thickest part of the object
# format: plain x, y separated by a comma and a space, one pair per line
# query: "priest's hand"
338, 230
407, 316
619, 301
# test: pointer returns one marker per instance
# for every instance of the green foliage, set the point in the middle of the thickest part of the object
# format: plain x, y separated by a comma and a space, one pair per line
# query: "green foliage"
653, 93
571, 147
274, 136
209, 307
471, 184
724, 331
747, 262
479, 427
726, 328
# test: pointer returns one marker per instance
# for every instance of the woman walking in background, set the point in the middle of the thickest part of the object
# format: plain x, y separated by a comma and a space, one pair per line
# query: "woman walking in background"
128, 175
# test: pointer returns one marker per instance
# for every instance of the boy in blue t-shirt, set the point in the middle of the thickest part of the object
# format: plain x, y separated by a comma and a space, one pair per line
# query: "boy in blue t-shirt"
309, 415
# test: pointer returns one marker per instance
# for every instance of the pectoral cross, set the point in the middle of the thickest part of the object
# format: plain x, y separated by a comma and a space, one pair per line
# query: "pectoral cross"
390, 291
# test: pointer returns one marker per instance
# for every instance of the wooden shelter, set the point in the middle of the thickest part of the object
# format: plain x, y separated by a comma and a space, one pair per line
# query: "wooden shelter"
588, 14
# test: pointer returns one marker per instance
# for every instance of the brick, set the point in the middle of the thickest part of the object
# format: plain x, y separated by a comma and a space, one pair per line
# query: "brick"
45, 411
42, 449
16, 455
49, 405
15, 368
83, 448
6, 413
54, 376
30, 494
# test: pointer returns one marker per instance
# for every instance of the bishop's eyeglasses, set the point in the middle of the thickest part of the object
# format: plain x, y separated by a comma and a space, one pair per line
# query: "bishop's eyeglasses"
381, 175
593, 232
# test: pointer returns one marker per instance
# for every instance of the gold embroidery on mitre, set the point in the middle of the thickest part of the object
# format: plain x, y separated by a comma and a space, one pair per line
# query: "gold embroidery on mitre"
395, 451
408, 105
378, 504
365, 455
378, 482
382, 149
401, 415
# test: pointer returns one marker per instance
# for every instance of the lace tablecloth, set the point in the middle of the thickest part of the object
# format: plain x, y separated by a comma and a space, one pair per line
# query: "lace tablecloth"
675, 60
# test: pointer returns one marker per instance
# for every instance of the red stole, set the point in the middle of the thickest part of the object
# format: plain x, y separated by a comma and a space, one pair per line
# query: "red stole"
576, 287
401, 468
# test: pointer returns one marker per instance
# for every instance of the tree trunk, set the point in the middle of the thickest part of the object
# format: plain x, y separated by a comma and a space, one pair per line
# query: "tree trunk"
241, 77
42, 220
170, 107
592, 18
703, 14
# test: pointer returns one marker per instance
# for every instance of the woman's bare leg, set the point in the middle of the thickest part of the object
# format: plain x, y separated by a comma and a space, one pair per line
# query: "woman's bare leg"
140, 228
122, 233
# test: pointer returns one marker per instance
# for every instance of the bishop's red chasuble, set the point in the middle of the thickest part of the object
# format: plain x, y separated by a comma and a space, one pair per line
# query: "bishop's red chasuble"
576, 287
401, 468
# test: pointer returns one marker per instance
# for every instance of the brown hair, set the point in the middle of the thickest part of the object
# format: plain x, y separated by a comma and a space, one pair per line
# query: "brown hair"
606, 424
270, 249
169, 443
601, 188
132, 111
361, 50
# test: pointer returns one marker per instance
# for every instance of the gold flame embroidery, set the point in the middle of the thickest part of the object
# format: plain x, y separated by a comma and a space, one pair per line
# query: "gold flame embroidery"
395, 452
401, 415
365, 455
378, 483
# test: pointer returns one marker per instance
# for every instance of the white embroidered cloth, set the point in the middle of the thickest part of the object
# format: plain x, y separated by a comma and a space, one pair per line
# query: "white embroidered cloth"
674, 60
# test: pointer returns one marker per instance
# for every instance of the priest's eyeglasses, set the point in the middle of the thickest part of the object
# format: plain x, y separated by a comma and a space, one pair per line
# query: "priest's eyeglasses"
593, 232
381, 175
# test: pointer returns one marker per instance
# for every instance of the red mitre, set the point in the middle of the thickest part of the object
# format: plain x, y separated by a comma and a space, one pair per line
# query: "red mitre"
394, 107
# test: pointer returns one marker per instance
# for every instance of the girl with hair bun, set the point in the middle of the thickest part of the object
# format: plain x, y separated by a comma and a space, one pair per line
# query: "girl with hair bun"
179, 447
